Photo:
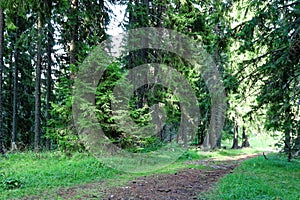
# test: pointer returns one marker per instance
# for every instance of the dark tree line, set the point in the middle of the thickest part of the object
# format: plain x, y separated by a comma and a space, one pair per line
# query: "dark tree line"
255, 46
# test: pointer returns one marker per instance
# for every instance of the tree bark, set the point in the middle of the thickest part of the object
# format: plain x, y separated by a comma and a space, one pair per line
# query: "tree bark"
15, 90
235, 144
37, 130
74, 36
297, 141
1, 71
245, 138
218, 107
49, 70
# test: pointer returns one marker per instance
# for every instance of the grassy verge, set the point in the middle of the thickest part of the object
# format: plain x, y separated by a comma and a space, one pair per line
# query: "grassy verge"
260, 179
30, 173
26, 174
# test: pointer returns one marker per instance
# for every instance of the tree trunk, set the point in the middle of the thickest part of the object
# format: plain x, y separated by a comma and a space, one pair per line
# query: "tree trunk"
37, 130
219, 70
218, 105
288, 116
1, 71
297, 141
235, 144
15, 91
10, 89
245, 138
74, 36
49, 70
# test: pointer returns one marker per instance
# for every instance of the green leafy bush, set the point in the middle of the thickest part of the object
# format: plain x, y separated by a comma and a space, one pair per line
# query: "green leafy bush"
9, 183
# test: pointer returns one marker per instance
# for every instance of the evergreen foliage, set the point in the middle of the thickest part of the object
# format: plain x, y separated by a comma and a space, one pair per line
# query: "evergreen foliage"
255, 46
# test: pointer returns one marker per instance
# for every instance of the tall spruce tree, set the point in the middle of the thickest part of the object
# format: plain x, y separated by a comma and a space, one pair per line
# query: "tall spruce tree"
1, 78
37, 116
272, 34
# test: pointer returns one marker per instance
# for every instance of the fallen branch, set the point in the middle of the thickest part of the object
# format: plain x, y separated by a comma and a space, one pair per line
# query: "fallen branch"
265, 156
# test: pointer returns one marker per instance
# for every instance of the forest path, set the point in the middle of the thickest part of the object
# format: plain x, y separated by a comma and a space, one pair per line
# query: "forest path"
183, 185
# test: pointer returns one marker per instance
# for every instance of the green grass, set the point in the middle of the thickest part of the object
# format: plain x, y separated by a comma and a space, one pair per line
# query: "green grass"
30, 173
27, 174
260, 141
260, 179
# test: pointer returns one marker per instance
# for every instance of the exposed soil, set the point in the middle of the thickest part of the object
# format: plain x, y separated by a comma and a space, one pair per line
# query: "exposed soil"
182, 185
186, 184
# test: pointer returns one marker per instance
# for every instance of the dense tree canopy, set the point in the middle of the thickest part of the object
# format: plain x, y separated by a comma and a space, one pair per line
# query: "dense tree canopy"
255, 46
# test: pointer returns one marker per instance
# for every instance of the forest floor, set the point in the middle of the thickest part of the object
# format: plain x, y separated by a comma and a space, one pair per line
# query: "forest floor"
188, 183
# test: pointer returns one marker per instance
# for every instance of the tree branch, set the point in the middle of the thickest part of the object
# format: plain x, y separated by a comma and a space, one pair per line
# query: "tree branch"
289, 5
265, 156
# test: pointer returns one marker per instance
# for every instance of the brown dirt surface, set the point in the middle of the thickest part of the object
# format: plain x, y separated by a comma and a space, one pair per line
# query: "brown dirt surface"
185, 184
